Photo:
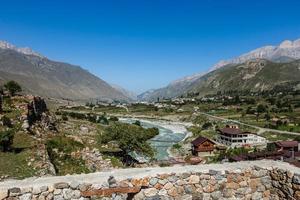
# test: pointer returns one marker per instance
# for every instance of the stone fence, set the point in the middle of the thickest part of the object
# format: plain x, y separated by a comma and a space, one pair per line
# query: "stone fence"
254, 180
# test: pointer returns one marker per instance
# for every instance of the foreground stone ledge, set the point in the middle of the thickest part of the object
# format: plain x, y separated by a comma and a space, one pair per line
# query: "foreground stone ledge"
243, 180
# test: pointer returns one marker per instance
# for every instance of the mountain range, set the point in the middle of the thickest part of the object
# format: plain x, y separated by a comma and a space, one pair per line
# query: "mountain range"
41, 76
232, 74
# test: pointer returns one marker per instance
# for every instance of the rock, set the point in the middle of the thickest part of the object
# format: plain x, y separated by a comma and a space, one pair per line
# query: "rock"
41, 197
84, 187
188, 189
173, 192
57, 191
296, 195
27, 196
14, 192
3, 194
186, 197
194, 179
153, 181
296, 179
61, 185
74, 185
75, 194
168, 186
36, 190
58, 197
67, 193
150, 192
25, 125
172, 179
216, 195
256, 196
112, 182
50, 196
162, 192
139, 196
162, 181
181, 182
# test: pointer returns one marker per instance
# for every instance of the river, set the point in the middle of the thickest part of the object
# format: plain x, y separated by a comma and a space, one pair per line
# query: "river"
170, 133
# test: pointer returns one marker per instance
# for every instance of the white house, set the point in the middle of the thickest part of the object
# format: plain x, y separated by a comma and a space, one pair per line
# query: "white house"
232, 136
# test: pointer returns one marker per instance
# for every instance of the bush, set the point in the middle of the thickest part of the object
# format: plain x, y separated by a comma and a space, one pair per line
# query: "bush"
6, 140
6, 122
64, 117
114, 119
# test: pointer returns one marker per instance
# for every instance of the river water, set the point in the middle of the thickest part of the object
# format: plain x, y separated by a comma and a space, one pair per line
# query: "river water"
167, 137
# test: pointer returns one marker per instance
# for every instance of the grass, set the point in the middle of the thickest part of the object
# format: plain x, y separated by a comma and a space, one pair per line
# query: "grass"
63, 162
15, 164
271, 136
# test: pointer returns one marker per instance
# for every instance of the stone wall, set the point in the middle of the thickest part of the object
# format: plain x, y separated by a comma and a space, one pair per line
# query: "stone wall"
245, 180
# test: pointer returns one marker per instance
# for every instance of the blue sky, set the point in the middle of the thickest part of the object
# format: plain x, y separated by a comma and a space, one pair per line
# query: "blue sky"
144, 44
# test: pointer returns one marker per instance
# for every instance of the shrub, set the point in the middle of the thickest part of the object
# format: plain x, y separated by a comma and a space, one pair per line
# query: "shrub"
6, 140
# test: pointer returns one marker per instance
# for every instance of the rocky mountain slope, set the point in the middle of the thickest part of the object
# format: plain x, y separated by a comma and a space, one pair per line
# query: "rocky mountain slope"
40, 76
254, 75
286, 52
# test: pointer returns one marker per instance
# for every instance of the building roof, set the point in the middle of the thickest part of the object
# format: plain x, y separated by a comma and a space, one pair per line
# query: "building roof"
287, 144
232, 131
200, 140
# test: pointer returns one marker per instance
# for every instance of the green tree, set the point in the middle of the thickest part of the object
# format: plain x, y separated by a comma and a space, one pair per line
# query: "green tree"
129, 138
12, 87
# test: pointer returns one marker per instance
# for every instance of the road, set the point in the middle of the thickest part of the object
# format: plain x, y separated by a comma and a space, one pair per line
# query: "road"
260, 129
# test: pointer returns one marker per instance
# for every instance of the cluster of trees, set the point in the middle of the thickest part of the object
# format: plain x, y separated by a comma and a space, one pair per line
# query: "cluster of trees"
129, 138
7, 134
82, 116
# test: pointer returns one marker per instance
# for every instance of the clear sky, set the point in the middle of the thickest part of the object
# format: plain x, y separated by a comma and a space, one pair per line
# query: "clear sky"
144, 44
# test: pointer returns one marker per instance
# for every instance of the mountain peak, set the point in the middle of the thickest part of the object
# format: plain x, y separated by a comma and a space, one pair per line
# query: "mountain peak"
23, 50
287, 48
286, 44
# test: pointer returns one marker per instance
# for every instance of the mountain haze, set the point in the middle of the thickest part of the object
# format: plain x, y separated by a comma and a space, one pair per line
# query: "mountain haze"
40, 76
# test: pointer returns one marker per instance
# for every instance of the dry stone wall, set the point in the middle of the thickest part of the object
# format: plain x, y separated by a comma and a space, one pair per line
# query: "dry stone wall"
245, 180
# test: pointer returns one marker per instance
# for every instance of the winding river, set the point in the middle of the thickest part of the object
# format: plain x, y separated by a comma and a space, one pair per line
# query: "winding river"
170, 133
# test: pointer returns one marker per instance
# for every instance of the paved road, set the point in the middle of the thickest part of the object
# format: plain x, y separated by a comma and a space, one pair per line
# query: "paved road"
260, 129
122, 174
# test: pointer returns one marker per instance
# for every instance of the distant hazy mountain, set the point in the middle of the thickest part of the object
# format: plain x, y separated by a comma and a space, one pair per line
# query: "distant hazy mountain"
131, 95
287, 51
41, 76
174, 89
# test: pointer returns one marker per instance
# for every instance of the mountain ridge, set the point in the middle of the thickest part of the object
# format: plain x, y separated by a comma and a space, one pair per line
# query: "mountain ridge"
286, 51
42, 76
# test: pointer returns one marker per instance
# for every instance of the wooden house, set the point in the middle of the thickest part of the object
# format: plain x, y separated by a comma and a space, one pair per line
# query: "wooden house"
202, 144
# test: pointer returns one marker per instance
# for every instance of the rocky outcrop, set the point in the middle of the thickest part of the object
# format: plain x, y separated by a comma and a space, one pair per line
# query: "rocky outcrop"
242, 180
37, 111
